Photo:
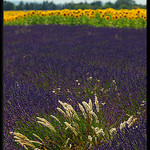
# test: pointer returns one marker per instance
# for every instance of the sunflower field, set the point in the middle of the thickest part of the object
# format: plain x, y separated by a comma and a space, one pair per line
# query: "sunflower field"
136, 18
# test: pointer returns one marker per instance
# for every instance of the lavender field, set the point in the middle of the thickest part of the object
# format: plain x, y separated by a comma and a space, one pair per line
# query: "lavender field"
47, 63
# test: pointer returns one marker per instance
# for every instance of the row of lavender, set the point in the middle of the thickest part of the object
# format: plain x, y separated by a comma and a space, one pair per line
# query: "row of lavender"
45, 63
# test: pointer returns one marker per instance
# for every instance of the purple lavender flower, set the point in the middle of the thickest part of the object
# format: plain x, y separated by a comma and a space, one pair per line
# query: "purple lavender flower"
40, 59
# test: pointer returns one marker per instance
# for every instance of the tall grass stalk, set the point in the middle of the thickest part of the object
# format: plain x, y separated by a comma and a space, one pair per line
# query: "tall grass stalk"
80, 130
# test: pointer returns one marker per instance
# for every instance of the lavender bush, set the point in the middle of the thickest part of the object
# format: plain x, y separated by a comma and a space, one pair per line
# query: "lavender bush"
45, 63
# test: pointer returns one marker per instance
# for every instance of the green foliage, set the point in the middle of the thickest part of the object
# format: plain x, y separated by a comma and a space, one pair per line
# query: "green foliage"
128, 3
45, 5
20, 6
124, 6
8, 5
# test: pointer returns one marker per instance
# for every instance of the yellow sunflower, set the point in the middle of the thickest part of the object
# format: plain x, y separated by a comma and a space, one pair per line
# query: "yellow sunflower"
64, 14
102, 15
91, 16
77, 16
107, 17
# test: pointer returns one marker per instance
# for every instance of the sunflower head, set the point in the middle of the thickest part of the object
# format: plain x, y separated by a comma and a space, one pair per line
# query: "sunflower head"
107, 17
102, 15
42, 14
145, 18
79, 10
71, 14
91, 16
64, 14
57, 13
125, 16
114, 17
33, 12
87, 14
92, 12
100, 11
77, 16
136, 17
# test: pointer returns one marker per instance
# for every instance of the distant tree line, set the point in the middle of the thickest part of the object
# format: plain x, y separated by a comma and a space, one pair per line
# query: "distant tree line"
119, 4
